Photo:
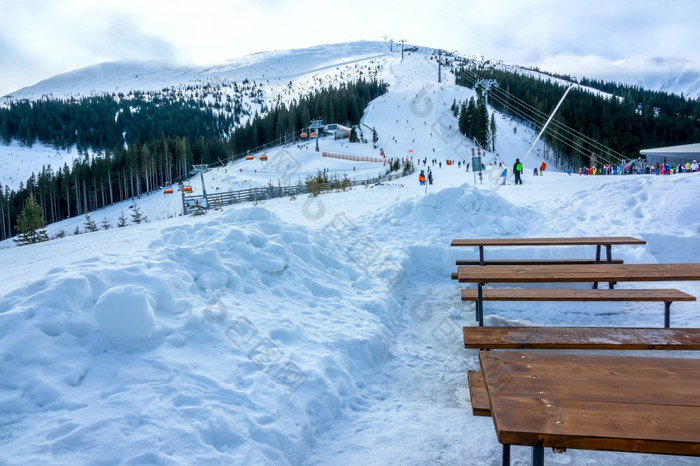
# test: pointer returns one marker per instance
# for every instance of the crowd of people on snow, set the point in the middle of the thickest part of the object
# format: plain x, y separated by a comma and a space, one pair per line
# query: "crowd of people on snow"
608, 169
660, 168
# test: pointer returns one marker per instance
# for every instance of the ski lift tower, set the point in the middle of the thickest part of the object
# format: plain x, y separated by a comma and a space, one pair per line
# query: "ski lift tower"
316, 125
201, 168
487, 84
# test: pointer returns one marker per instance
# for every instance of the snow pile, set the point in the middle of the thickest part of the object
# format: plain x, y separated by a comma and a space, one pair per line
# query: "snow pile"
124, 313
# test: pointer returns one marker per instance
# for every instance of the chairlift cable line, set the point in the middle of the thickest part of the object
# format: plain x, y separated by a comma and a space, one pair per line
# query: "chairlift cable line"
597, 145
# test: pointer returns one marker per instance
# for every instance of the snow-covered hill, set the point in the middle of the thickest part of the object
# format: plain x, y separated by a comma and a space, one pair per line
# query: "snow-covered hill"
327, 64
305, 69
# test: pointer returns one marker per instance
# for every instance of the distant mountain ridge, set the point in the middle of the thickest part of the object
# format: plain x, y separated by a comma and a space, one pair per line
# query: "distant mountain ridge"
663, 74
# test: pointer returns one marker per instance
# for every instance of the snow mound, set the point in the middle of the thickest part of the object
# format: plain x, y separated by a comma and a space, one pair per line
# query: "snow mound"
124, 313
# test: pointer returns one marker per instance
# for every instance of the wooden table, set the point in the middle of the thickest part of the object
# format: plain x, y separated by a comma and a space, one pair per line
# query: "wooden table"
573, 274
593, 402
597, 241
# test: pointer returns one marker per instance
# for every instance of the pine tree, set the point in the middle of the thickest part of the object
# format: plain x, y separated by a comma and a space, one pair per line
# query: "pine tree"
90, 225
137, 216
353, 135
105, 224
122, 221
30, 224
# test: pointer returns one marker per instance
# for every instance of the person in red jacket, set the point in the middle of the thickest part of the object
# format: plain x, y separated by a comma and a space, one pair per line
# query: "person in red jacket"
421, 178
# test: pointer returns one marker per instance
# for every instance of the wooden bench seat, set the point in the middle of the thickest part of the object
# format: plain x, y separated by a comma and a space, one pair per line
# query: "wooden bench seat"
477, 394
578, 338
535, 262
665, 295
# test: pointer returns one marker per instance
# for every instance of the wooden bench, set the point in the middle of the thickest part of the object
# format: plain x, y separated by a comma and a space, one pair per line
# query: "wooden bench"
611, 273
535, 262
477, 394
591, 402
577, 338
597, 241
665, 295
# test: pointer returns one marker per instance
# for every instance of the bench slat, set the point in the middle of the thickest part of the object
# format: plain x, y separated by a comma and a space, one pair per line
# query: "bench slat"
537, 262
567, 294
575, 241
477, 394
580, 273
594, 338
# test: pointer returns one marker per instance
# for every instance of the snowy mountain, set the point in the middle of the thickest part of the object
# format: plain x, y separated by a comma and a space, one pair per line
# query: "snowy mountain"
275, 70
307, 330
672, 75
327, 62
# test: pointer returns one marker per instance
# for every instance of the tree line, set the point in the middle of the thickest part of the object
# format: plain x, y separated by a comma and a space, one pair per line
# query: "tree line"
626, 119
131, 145
474, 122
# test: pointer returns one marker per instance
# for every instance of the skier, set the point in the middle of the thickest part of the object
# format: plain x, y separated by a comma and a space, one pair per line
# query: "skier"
504, 174
421, 178
517, 171
430, 176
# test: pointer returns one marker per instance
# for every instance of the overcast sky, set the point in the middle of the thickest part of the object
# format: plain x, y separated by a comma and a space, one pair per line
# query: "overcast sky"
42, 38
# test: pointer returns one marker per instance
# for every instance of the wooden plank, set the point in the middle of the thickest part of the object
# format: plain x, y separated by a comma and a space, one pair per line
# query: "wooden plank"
599, 338
579, 273
571, 241
594, 364
536, 262
625, 427
619, 403
477, 394
566, 294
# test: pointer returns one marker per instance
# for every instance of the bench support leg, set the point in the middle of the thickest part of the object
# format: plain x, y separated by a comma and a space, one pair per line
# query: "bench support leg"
506, 455
597, 261
481, 255
538, 456
480, 304
667, 314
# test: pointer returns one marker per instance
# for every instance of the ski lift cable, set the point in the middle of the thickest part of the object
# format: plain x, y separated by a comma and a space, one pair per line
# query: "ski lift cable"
599, 146
566, 135
560, 136
521, 114
572, 131
506, 97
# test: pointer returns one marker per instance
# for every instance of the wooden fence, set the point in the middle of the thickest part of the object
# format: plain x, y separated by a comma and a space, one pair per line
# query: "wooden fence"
191, 204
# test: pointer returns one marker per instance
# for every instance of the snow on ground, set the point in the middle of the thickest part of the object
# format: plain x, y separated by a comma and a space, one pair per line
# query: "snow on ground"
19, 162
308, 330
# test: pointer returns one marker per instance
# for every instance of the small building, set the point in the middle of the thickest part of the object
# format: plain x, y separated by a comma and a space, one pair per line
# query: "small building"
672, 154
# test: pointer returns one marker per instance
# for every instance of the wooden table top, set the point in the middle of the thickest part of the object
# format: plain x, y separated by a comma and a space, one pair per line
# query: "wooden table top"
572, 241
578, 273
600, 338
594, 402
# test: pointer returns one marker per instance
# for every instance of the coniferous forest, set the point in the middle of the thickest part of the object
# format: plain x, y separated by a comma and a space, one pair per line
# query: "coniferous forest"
136, 143
625, 119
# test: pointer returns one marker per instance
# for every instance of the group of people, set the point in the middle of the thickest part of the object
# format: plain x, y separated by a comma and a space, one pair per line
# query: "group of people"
660, 168
669, 169
422, 178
